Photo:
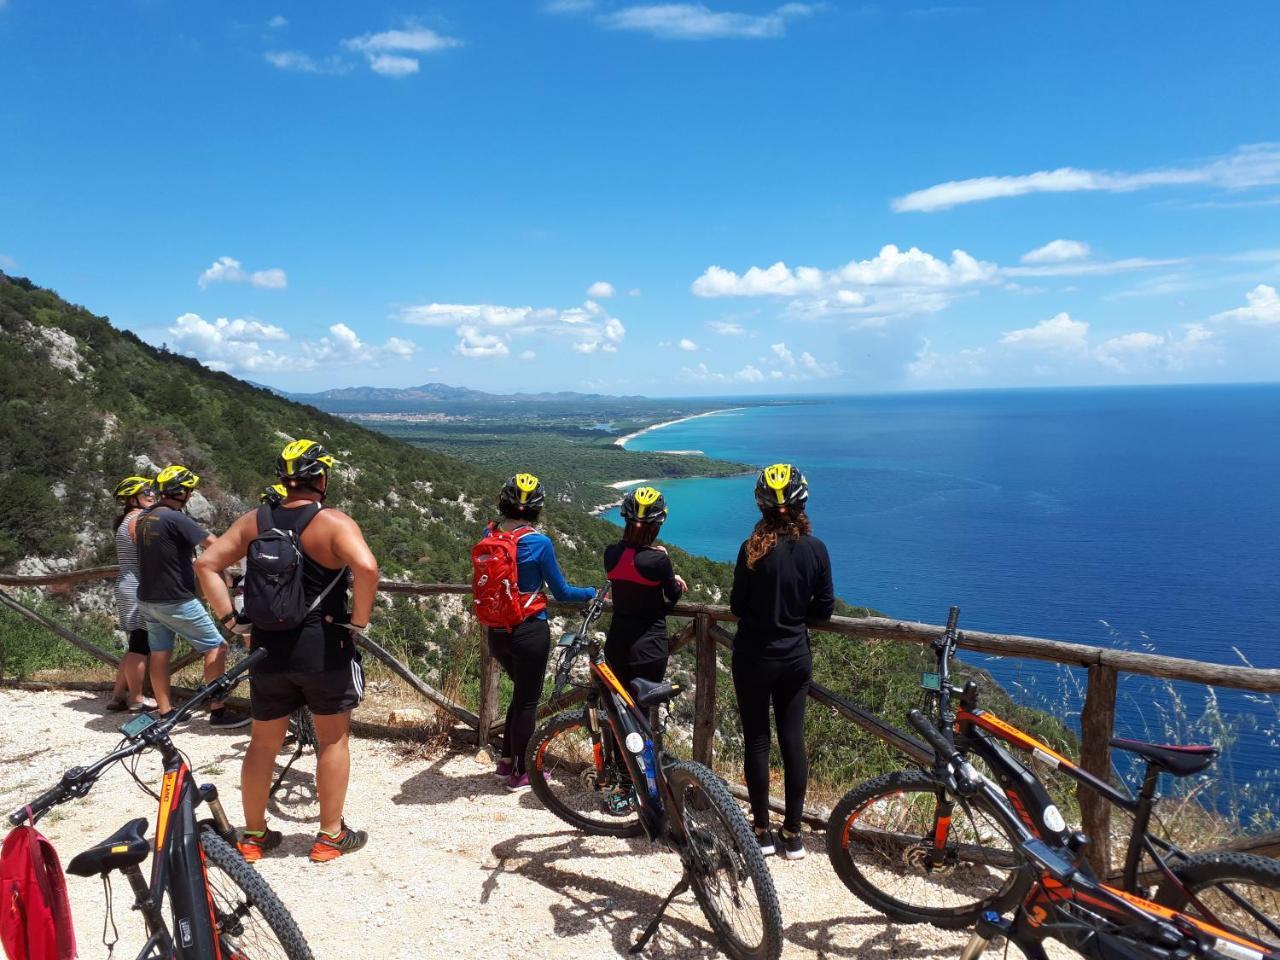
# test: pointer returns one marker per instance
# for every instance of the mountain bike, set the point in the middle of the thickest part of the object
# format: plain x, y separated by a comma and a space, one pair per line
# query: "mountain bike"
219, 906
301, 735
908, 847
1061, 900
603, 770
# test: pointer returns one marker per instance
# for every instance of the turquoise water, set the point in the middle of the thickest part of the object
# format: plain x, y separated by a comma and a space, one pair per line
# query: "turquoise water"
1147, 518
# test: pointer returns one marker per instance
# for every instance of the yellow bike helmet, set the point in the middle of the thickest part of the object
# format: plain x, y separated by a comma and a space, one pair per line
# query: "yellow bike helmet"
175, 479
133, 487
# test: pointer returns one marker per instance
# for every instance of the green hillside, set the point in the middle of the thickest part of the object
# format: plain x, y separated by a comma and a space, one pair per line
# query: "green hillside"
83, 404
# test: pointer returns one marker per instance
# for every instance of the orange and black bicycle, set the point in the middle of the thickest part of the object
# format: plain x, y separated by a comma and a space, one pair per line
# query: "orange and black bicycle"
603, 769
918, 848
218, 907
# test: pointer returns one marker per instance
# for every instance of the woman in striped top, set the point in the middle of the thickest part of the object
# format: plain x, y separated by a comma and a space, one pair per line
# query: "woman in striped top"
134, 494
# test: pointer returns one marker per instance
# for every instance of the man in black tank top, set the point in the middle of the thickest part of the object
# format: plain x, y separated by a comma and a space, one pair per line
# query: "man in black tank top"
315, 664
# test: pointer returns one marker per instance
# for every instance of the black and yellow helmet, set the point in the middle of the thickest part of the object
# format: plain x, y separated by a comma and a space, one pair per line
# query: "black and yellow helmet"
781, 486
133, 487
273, 493
523, 491
175, 479
303, 459
644, 505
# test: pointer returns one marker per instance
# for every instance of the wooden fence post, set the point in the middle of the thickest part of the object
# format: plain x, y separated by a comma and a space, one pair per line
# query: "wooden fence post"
1097, 722
704, 708
488, 708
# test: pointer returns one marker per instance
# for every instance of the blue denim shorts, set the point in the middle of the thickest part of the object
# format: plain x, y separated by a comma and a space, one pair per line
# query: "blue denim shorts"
187, 619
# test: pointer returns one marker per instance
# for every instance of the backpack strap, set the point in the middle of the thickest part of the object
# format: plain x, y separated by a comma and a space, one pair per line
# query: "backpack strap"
265, 520
306, 521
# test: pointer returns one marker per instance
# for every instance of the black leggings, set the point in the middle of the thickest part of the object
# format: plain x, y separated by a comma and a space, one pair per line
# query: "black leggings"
523, 653
138, 642
785, 683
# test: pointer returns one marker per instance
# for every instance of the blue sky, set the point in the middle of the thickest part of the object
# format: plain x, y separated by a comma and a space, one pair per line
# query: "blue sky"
656, 198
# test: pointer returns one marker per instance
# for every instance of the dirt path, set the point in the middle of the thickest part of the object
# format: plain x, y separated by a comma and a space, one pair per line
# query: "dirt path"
456, 867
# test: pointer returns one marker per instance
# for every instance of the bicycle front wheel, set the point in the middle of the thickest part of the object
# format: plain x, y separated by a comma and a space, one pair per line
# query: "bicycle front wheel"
251, 920
881, 838
586, 788
726, 868
1237, 890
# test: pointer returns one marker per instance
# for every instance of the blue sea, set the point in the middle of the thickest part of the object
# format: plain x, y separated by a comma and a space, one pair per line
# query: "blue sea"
1147, 518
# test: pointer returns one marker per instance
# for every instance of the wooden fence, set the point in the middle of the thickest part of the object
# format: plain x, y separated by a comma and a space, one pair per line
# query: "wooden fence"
704, 629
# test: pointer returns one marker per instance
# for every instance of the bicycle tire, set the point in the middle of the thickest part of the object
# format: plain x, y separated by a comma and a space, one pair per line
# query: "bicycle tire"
880, 832
239, 893
304, 725
1221, 881
568, 780
734, 845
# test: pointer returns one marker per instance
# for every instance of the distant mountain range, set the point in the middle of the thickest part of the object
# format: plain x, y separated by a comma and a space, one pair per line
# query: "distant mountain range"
434, 396
441, 393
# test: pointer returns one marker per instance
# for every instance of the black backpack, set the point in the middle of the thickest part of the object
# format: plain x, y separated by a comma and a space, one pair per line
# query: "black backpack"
274, 598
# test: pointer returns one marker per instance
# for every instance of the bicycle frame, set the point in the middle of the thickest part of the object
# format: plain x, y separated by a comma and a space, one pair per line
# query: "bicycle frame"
977, 731
177, 858
626, 721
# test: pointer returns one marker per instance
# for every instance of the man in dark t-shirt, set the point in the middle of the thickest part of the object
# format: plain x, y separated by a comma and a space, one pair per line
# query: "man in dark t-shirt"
167, 539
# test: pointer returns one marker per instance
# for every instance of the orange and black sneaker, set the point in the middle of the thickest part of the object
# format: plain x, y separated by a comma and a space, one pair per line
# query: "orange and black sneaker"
328, 847
254, 843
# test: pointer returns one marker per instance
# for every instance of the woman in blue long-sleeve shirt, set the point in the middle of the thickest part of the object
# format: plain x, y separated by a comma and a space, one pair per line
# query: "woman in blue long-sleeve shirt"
523, 650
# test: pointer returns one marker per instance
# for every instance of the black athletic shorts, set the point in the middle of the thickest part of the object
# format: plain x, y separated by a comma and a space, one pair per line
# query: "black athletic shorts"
276, 695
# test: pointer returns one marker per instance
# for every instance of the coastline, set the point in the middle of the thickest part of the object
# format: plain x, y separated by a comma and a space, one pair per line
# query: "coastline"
623, 441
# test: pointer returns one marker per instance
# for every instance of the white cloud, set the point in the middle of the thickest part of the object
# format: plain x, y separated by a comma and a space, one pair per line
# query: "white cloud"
568, 6
1262, 310
1057, 333
600, 290
684, 343
1254, 165
230, 270
1081, 268
473, 342
1056, 251
1059, 349
7, 263
893, 283
727, 328
392, 65
300, 62
412, 40
784, 364
276, 22
889, 268
633, 292
696, 21
587, 328
528, 355
389, 52
251, 346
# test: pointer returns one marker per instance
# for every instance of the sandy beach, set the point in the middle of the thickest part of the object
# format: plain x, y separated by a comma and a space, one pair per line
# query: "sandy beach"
623, 441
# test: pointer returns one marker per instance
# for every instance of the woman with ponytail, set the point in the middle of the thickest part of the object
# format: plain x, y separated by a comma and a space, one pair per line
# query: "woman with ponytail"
782, 581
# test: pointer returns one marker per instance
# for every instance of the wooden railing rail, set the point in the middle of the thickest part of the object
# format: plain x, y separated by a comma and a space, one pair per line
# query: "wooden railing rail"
1103, 665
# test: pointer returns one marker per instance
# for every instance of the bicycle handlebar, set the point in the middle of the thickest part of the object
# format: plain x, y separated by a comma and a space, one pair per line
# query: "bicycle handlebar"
77, 781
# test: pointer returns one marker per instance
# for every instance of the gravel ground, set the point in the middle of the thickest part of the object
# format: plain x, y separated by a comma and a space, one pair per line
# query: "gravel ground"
455, 865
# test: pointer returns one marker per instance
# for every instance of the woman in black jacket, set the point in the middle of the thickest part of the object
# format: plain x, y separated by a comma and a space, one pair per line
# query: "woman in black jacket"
782, 581
644, 589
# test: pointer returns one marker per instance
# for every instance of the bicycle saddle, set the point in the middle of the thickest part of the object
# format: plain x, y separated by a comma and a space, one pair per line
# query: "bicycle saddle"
124, 848
1179, 761
650, 694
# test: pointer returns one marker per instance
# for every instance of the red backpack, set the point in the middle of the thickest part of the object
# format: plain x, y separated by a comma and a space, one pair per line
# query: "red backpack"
35, 915
495, 581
